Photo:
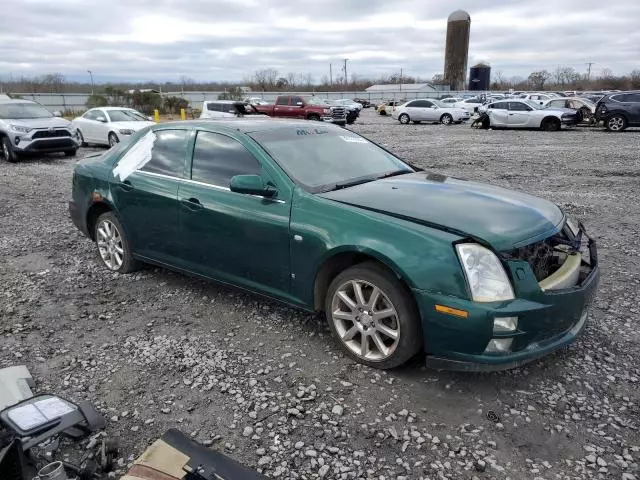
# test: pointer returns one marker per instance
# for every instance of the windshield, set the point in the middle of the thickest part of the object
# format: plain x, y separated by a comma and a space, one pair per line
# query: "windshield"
19, 111
325, 158
126, 116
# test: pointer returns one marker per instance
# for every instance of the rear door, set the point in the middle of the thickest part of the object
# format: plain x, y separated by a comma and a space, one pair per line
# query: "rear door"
238, 238
282, 108
90, 126
633, 102
413, 111
145, 192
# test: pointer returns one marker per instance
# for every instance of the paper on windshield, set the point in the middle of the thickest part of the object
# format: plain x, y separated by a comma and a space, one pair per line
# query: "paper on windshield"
136, 158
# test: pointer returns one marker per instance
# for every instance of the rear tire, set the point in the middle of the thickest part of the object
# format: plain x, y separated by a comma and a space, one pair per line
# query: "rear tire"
71, 153
550, 125
616, 123
446, 119
113, 246
404, 119
7, 151
365, 333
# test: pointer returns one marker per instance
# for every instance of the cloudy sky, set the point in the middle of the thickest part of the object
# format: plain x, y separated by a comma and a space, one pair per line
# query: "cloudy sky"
230, 39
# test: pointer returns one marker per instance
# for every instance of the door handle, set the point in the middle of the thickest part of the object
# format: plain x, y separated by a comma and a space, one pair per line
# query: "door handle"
126, 186
192, 204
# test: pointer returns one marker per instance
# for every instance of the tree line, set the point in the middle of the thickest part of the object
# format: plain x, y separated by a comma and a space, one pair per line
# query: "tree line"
270, 79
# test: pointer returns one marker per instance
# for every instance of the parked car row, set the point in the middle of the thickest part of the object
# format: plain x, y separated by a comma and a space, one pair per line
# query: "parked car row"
616, 111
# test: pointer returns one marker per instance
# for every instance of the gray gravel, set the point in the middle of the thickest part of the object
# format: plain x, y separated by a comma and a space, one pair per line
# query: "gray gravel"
268, 386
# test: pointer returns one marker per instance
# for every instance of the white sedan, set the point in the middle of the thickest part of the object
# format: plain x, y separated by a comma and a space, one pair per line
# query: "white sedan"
586, 108
469, 104
517, 113
417, 111
109, 125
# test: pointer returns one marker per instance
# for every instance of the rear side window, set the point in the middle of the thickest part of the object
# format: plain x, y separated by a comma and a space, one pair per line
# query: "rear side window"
282, 101
168, 153
423, 104
413, 104
217, 158
499, 106
213, 107
93, 115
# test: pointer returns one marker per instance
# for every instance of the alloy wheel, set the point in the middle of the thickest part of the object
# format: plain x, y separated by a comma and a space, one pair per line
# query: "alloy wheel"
404, 118
446, 119
616, 124
365, 320
5, 151
112, 140
110, 245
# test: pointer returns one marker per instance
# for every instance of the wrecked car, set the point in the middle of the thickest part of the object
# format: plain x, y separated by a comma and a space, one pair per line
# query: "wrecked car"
399, 260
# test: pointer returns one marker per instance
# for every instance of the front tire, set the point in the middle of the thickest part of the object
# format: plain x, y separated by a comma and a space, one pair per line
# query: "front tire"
314, 118
404, 119
113, 139
7, 151
71, 153
373, 316
550, 125
446, 119
113, 247
616, 123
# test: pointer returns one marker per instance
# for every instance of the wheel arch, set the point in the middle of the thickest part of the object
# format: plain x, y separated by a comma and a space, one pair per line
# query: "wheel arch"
95, 210
342, 258
550, 118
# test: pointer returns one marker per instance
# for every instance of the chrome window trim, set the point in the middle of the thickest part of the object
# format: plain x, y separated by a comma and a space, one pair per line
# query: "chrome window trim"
209, 185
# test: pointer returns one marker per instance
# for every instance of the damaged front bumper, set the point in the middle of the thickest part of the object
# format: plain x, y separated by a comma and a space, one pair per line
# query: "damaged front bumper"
549, 317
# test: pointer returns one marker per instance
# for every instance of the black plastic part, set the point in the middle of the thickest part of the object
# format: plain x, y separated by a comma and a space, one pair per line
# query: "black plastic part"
212, 465
11, 462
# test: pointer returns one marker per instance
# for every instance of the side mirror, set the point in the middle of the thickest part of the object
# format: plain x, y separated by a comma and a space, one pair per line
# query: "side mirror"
251, 185
434, 107
101, 119
57, 114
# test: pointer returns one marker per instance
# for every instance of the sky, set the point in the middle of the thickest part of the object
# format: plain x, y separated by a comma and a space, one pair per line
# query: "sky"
228, 40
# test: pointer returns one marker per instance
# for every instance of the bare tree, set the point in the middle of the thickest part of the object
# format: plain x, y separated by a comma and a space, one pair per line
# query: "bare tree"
291, 78
538, 79
265, 78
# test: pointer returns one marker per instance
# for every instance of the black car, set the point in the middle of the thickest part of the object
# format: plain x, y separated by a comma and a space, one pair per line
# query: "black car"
619, 110
365, 103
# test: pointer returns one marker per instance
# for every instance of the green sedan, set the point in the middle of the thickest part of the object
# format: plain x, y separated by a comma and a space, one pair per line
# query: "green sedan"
399, 260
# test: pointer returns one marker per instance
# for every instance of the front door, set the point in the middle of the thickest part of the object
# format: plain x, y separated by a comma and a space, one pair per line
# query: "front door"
498, 113
236, 238
519, 114
283, 109
145, 192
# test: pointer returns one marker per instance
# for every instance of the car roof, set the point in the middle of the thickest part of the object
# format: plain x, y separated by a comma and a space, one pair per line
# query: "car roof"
112, 108
246, 125
223, 101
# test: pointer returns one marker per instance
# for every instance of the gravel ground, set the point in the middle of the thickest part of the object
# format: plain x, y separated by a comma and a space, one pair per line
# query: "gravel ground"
267, 384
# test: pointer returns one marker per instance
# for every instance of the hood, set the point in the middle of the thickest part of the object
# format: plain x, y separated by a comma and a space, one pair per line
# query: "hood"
503, 218
132, 125
41, 122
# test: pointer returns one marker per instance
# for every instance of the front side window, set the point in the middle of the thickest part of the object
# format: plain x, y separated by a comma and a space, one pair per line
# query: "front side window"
499, 106
92, 114
519, 107
168, 153
217, 158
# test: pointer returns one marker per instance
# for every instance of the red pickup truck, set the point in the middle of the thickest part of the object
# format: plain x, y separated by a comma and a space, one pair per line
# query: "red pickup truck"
305, 107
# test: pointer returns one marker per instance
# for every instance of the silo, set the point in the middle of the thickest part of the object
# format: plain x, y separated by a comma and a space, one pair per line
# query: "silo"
457, 49
480, 77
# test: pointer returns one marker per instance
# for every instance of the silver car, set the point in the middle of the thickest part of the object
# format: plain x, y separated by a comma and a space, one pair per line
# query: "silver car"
28, 127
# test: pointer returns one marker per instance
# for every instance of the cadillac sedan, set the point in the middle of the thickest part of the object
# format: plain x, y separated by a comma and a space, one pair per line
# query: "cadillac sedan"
315, 216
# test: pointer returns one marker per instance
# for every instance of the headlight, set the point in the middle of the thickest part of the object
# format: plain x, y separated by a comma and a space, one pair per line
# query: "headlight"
126, 131
573, 225
21, 129
326, 110
486, 278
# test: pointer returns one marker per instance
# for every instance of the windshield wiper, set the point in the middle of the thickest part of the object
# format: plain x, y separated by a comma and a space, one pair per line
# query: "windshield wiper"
393, 174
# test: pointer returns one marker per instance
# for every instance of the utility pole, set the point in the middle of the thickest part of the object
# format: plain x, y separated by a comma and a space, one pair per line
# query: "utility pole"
346, 77
589, 70
400, 80
92, 84
330, 75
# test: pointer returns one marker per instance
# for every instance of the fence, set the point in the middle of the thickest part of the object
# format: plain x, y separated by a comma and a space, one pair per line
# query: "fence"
77, 101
